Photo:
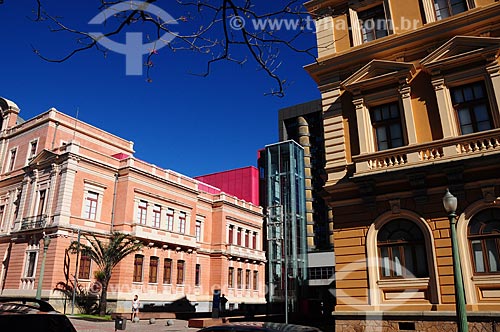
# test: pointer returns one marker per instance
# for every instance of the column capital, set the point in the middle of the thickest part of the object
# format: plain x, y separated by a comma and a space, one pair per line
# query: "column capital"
438, 83
405, 91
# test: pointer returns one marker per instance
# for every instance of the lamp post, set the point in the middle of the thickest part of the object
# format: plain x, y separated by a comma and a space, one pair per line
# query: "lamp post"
450, 205
46, 242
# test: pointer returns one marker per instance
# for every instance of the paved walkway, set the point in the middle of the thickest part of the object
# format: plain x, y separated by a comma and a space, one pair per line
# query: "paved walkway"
143, 326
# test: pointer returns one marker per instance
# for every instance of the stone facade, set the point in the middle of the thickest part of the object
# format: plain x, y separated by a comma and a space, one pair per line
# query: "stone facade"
409, 111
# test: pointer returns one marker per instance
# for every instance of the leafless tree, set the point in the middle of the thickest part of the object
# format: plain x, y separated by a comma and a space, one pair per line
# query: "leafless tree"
238, 31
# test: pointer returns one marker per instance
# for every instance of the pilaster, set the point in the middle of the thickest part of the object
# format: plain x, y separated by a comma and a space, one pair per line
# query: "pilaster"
448, 122
68, 174
494, 73
356, 31
366, 144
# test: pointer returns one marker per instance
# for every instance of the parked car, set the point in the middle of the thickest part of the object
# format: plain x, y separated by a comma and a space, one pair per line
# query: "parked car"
26, 315
259, 327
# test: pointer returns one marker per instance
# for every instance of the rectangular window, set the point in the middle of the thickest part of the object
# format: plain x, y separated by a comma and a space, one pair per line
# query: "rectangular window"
230, 277
33, 145
12, 159
471, 104
167, 271
170, 220
30, 264
255, 280
198, 231
238, 236
247, 279
254, 240
142, 212
197, 275
84, 268
156, 216
373, 23
230, 235
447, 8
386, 122
182, 223
138, 263
239, 278
91, 205
41, 202
180, 272
153, 270
2, 209
247, 239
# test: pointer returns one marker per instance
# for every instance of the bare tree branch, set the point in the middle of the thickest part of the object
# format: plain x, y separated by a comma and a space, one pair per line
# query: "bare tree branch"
207, 27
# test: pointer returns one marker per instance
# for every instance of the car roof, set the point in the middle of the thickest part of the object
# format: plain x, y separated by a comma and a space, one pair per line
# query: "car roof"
260, 326
26, 315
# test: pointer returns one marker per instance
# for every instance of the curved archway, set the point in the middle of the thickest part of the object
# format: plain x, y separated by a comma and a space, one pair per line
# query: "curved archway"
474, 283
377, 283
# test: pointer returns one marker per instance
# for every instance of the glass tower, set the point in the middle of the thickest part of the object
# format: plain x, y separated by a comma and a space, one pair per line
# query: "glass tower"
286, 222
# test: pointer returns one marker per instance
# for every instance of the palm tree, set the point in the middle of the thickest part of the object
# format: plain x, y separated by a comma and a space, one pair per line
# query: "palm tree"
106, 255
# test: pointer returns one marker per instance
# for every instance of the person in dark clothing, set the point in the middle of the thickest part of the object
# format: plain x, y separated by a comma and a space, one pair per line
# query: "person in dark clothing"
223, 302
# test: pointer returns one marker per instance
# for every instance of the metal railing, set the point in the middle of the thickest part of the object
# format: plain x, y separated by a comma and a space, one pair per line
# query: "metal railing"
34, 222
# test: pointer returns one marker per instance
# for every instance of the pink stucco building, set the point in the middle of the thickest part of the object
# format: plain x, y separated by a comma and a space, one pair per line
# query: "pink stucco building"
59, 175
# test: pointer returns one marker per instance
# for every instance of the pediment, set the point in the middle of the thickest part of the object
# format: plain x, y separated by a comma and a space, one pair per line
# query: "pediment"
42, 157
379, 73
462, 49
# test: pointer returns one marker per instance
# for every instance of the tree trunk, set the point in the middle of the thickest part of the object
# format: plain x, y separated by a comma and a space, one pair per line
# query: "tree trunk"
104, 298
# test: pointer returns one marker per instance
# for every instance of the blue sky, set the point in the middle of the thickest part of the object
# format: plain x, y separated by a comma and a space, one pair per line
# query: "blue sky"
180, 121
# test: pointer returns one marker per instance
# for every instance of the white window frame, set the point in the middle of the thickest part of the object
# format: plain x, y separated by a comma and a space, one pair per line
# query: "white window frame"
11, 165
170, 219
156, 214
99, 189
198, 231
27, 263
142, 206
182, 222
89, 202
29, 155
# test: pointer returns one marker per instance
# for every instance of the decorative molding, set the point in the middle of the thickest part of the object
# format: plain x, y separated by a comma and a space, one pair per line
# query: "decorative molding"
395, 206
489, 194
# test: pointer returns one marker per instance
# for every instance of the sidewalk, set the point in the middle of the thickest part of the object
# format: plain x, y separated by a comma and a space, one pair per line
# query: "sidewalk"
143, 326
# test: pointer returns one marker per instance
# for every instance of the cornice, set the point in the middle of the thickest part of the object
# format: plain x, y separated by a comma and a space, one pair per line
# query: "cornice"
413, 42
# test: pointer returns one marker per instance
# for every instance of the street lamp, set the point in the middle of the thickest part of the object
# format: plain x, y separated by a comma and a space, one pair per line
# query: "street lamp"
46, 242
450, 205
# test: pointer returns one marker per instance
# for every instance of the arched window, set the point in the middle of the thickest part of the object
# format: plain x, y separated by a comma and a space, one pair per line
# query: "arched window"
484, 239
401, 247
